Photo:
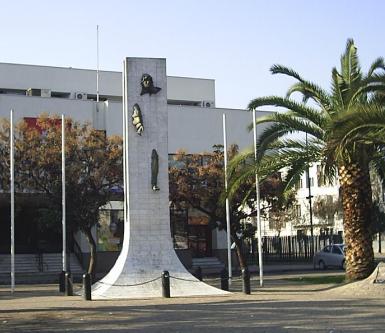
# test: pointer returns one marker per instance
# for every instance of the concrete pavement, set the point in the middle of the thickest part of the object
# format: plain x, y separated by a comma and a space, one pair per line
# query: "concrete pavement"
280, 306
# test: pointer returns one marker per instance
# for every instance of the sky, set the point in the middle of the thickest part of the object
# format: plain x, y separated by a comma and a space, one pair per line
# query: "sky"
233, 42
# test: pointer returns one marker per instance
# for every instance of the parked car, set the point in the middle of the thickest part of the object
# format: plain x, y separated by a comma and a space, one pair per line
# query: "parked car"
331, 255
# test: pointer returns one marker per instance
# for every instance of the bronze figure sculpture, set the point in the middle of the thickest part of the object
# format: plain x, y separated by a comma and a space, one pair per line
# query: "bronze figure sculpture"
154, 170
137, 119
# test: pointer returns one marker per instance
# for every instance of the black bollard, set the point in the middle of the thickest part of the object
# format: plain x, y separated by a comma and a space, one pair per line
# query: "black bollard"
87, 286
68, 285
224, 279
198, 273
166, 284
62, 287
246, 281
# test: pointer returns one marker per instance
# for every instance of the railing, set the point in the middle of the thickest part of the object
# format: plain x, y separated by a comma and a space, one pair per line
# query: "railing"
40, 261
288, 248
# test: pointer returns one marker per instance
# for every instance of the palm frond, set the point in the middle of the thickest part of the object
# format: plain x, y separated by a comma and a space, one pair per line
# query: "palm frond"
376, 64
301, 110
312, 91
280, 69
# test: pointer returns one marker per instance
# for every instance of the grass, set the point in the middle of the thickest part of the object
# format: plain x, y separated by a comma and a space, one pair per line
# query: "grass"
326, 279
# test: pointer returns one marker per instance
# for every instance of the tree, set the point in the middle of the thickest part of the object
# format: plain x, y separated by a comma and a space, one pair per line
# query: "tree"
277, 205
197, 181
93, 168
325, 208
318, 118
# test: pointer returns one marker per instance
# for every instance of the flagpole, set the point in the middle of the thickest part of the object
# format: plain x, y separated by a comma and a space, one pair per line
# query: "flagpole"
12, 172
227, 201
97, 63
260, 262
63, 174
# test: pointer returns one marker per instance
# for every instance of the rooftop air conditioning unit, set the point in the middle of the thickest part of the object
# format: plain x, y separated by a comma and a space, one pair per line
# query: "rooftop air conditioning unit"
207, 104
45, 92
33, 92
81, 96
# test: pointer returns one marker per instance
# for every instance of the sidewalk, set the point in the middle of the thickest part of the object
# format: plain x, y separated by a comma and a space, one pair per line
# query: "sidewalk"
281, 306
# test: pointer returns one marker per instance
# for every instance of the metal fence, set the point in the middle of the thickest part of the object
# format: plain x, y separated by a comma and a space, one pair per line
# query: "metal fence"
288, 248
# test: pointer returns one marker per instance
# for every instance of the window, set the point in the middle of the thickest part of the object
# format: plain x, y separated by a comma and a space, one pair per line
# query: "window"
298, 185
336, 250
311, 182
326, 249
298, 210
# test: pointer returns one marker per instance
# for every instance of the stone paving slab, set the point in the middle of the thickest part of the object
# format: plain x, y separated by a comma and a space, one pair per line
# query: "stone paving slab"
280, 306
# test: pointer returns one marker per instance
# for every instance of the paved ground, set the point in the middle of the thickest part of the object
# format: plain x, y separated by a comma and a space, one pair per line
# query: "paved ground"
280, 306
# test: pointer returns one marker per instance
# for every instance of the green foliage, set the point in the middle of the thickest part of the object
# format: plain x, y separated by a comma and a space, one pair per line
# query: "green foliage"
93, 167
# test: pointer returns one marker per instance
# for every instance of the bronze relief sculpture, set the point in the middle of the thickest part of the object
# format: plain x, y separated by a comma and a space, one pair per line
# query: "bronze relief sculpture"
137, 119
154, 170
148, 85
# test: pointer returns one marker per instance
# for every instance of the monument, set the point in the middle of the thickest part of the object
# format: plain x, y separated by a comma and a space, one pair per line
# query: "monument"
147, 246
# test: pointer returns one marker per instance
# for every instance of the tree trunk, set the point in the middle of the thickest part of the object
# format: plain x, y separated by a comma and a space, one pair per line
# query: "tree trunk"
92, 262
357, 203
238, 248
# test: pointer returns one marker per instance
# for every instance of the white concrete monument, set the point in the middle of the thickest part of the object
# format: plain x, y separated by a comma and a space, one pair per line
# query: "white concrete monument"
147, 247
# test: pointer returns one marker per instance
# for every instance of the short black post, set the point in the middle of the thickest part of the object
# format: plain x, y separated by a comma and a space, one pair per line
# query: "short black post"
246, 281
166, 284
224, 279
198, 273
62, 287
68, 285
87, 287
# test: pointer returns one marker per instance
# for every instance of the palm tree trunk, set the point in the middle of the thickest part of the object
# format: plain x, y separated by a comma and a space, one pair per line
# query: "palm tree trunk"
91, 242
357, 203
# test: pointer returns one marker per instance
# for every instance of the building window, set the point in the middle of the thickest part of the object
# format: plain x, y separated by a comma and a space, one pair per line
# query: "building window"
311, 182
297, 210
110, 230
299, 184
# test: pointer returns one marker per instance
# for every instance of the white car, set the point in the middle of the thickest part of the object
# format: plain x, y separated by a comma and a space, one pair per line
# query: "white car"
331, 255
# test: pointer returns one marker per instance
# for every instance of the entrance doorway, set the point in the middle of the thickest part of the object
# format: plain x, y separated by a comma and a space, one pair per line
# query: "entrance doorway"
199, 236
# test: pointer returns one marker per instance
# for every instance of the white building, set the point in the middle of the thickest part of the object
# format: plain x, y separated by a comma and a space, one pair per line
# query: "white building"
326, 214
195, 124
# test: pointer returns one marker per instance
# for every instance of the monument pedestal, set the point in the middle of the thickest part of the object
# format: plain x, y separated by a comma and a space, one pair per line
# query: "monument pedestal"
147, 247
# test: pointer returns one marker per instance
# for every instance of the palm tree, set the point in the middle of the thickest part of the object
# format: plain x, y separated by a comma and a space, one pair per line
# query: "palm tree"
323, 117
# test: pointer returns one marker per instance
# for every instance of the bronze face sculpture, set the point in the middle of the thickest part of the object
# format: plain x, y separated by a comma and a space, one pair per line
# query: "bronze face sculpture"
148, 85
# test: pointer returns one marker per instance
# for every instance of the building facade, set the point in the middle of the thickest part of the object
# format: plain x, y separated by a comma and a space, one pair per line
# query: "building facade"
194, 122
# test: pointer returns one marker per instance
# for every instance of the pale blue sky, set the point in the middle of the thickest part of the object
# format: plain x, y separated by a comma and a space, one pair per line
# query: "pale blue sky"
233, 42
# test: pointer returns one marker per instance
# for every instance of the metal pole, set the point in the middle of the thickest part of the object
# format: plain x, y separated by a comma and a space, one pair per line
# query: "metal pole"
260, 261
310, 203
97, 63
227, 201
63, 181
12, 171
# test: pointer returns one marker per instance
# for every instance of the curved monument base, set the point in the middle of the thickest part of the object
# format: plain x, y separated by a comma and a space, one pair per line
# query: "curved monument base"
144, 280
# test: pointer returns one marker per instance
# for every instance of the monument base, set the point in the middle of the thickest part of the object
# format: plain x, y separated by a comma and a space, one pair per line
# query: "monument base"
144, 280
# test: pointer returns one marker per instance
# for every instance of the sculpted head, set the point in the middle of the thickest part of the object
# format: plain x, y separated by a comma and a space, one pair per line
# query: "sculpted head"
148, 85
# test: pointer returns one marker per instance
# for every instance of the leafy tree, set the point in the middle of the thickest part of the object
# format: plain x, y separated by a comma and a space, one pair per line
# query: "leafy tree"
197, 181
93, 167
322, 117
325, 208
276, 204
